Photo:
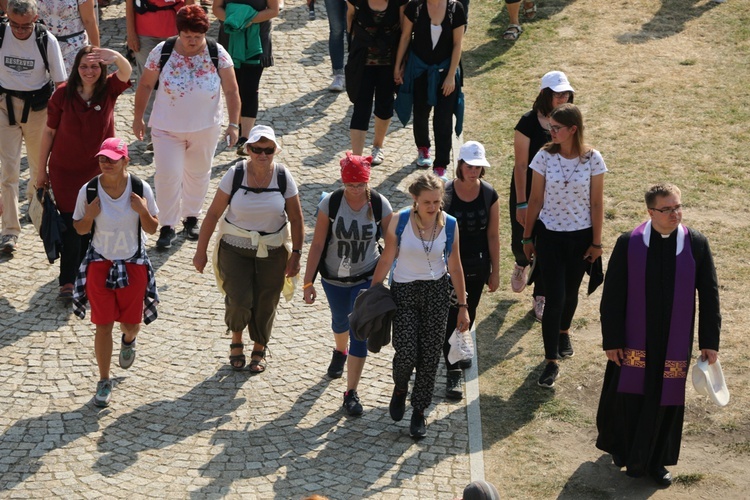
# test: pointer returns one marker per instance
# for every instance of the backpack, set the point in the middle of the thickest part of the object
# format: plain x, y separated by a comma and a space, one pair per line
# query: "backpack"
40, 35
92, 191
239, 173
333, 209
484, 187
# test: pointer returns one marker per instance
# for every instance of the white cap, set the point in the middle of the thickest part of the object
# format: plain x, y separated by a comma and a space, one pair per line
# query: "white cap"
556, 81
708, 380
473, 153
262, 131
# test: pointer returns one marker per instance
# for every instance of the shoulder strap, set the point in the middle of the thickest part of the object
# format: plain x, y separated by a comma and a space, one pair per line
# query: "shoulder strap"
3, 25
213, 51
450, 232
92, 189
239, 173
281, 179
486, 189
448, 197
334, 202
166, 51
403, 220
136, 186
40, 31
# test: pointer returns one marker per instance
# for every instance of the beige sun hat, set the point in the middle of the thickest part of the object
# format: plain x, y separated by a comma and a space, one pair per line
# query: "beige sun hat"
708, 380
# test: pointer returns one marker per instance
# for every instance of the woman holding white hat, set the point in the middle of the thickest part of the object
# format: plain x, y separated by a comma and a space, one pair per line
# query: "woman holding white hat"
474, 204
258, 246
532, 132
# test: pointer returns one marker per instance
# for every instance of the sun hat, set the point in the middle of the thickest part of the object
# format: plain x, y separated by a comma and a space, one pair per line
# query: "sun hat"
556, 81
480, 490
355, 168
259, 132
708, 380
113, 148
472, 153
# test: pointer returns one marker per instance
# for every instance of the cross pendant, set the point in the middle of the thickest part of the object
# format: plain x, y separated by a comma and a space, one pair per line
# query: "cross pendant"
566, 183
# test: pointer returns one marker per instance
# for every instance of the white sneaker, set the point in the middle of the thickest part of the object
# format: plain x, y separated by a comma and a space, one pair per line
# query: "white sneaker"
337, 85
518, 278
538, 307
377, 156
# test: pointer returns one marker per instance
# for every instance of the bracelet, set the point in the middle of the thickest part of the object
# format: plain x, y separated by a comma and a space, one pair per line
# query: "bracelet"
307, 285
297, 251
463, 305
233, 125
599, 246
522, 205
527, 241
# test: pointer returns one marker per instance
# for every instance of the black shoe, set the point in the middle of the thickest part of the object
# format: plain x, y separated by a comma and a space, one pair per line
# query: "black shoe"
464, 364
618, 460
166, 237
549, 375
453, 389
336, 368
352, 404
397, 407
241, 151
417, 429
662, 476
564, 347
190, 226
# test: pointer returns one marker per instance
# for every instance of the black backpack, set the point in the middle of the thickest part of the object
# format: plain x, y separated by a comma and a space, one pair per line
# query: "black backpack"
92, 191
333, 209
239, 173
40, 34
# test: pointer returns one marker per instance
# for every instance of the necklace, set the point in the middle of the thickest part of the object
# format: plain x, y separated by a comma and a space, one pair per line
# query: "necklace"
265, 179
566, 180
427, 246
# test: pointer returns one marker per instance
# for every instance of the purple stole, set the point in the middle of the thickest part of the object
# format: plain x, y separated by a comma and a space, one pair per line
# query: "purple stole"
633, 369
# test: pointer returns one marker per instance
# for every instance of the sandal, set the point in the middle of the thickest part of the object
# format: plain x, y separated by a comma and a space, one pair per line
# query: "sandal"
237, 361
66, 292
513, 32
258, 365
529, 12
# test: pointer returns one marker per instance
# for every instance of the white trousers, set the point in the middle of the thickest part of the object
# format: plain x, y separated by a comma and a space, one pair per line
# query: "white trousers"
12, 138
182, 161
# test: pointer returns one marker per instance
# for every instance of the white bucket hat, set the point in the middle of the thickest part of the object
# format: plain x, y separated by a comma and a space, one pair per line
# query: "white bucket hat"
259, 132
708, 380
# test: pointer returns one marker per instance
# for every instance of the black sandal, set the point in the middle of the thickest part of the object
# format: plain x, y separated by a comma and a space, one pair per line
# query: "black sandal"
237, 361
258, 365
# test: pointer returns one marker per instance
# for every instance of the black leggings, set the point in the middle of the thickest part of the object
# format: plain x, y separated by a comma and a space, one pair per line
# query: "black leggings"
516, 235
561, 259
442, 119
376, 81
248, 81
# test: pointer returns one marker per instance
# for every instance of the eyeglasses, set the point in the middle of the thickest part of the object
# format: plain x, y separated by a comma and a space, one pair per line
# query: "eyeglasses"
21, 27
561, 95
557, 128
257, 150
668, 210
105, 159
359, 185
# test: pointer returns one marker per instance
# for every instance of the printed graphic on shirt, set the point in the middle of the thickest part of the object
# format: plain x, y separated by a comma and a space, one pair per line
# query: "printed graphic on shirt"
353, 242
18, 64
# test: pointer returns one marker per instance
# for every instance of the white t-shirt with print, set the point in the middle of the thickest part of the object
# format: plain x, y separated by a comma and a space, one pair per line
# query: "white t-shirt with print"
116, 232
189, 95
262, 212
21, 64
567, 189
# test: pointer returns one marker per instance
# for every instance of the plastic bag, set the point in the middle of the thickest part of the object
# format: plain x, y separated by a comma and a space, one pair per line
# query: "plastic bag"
462, 346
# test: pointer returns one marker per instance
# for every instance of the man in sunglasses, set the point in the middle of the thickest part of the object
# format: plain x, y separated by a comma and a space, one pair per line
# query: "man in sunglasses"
647, 315
30, 60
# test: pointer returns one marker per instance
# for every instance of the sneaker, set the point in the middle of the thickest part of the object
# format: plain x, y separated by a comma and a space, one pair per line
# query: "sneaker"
538, 308
518, 278
166, 237
377, 156
241, 151
440, 172
352, 404
103, 393
662, 476
8, 243
417, 429
464, 364
453, 387
337, 85
549, 375
423, 158
336, 368
564, 347
397, 406
311, 13
127, 353
150, 146
190, 226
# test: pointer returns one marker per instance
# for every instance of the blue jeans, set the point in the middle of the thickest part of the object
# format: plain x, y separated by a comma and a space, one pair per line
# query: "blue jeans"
341, 301
336, 10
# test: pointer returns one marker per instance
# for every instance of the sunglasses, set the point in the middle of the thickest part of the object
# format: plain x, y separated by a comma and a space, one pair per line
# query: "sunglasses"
257, 150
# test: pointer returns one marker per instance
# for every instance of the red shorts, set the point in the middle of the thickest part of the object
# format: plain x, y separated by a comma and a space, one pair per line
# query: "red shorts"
122, 304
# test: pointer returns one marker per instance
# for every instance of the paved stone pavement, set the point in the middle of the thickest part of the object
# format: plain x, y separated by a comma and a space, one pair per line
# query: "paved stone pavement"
181, 423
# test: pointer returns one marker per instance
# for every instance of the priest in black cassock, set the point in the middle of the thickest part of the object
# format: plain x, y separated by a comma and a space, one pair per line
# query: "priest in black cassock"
648, 316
